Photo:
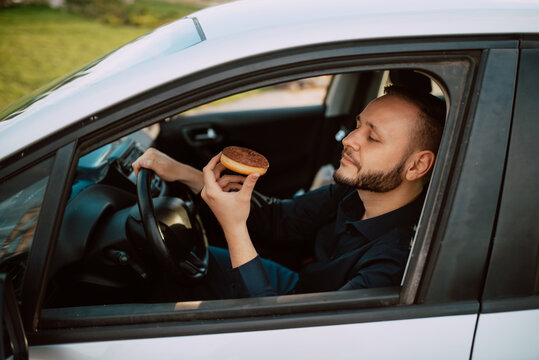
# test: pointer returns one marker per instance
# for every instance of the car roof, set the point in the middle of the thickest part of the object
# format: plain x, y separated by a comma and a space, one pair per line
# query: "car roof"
244, 28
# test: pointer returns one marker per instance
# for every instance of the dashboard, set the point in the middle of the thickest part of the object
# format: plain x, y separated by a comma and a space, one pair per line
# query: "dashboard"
100, 252
111, 163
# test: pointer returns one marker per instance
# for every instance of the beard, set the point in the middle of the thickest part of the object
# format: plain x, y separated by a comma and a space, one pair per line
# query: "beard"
375, 181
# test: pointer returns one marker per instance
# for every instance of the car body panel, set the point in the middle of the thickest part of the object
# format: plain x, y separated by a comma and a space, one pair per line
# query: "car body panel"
500, 334
516, 237
480, 54
403, 339
267, 33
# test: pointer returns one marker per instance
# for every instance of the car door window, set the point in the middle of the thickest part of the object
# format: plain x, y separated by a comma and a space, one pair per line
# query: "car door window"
96, 267
20, 205
99, 213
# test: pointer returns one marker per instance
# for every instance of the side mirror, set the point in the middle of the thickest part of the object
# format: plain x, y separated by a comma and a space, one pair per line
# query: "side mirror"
10, 316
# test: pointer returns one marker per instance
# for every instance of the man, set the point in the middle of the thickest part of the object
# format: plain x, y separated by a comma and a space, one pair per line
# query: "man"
359, 229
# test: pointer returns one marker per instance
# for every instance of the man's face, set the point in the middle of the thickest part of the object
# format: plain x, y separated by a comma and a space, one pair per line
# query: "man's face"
375, 153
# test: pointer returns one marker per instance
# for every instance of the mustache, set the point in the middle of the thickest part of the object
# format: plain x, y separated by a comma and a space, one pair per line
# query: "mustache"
350, 155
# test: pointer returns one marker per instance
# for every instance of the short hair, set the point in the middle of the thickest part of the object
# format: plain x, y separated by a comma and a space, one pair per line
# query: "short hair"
432, 112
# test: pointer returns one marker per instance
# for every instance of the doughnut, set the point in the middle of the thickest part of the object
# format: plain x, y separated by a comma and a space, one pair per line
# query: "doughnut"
244, 161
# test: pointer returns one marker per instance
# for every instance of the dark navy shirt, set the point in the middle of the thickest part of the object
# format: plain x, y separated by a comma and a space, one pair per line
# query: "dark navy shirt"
349, 253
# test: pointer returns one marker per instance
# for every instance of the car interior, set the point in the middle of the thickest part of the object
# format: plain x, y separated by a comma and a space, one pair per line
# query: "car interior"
103, 254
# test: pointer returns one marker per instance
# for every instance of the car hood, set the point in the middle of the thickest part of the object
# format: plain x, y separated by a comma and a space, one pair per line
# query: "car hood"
241, 29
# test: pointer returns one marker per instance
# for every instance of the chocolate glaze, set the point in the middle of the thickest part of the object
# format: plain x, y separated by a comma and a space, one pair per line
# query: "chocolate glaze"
246, 156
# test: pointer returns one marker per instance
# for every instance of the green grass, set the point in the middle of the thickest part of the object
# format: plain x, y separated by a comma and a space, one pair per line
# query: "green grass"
39, 44
167, 9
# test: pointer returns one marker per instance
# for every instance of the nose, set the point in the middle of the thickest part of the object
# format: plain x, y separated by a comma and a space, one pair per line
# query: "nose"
352, 140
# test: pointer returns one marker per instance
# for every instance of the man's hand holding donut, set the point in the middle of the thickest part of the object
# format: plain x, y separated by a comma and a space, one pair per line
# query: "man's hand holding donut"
231, 208
228, 196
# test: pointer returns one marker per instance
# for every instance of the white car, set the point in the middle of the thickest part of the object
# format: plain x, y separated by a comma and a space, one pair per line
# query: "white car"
287, 79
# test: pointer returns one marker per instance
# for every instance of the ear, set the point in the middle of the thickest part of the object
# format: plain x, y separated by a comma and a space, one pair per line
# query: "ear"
419, 164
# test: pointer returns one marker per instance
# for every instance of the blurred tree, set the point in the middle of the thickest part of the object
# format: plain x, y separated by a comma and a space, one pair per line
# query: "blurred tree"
56, 3
51, 3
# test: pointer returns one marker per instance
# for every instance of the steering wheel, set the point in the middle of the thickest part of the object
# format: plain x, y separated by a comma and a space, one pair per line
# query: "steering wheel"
177, 239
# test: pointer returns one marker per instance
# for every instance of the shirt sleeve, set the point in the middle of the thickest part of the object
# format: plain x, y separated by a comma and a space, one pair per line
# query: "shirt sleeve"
292, 220
255, 279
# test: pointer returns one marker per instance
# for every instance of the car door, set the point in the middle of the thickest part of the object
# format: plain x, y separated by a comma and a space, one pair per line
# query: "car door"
432, 315
509, 320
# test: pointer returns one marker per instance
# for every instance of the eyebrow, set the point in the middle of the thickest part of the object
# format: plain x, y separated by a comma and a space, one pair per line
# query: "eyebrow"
369, 124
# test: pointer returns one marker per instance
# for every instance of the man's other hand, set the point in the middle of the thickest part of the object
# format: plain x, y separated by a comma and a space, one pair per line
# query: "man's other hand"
229, 196
169, 169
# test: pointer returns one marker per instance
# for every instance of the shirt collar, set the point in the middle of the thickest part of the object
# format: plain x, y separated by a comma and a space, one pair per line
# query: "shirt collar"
352, 209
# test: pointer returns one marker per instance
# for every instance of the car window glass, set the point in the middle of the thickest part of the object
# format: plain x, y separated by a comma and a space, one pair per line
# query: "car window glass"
161, 42
392, 76
109, 234
20, 204
303, 92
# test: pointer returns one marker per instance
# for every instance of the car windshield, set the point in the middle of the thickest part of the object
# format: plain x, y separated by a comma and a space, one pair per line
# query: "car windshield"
163, 41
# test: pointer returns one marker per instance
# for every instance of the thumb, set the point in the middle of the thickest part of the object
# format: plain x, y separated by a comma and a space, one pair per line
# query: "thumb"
249, 184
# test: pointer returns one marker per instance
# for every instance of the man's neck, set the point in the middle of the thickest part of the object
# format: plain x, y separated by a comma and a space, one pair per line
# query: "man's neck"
377, 204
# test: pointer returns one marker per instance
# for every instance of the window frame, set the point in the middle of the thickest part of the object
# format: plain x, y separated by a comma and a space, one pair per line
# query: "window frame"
266, 69
46, 233
470, 207
46, 165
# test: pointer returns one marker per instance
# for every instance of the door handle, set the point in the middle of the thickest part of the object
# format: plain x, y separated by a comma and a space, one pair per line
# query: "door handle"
210, 134
202, 134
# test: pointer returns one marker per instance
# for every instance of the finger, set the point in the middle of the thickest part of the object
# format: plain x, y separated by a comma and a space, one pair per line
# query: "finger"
141, 162
232, 187
249, 185
213, 161
146, 164
136, 166
219, 168
208, 174
227, 179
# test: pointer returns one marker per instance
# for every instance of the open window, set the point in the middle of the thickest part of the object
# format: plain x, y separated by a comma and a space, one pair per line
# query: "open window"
100, 256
